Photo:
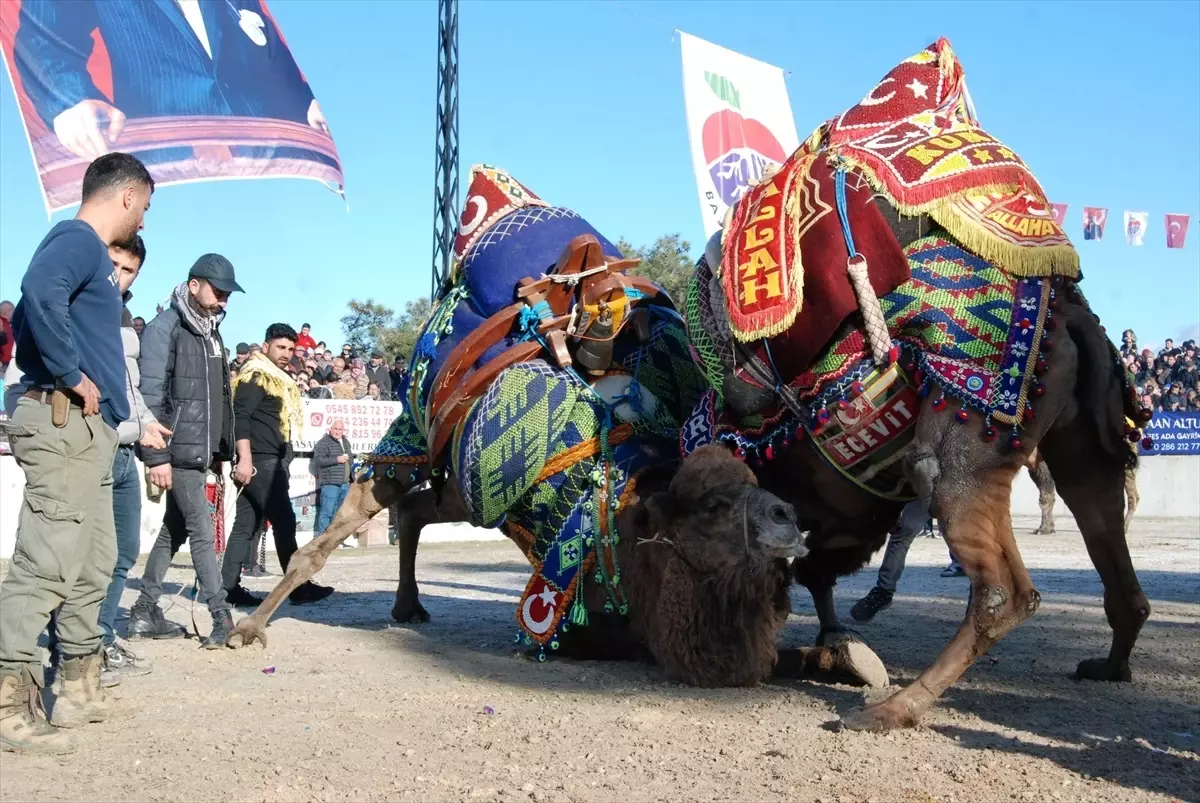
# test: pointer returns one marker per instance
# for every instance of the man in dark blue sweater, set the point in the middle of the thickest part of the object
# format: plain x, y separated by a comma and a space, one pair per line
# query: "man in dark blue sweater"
63, 435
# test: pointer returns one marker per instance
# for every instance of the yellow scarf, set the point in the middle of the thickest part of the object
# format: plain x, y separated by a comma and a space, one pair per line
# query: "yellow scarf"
275, 382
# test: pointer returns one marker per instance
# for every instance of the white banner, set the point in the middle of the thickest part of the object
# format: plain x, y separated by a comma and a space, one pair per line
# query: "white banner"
1135, 227
739, 121
366, 422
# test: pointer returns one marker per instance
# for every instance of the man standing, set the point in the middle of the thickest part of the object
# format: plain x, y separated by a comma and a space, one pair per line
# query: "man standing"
267, 410
305, 340
63, 434
397, 375
331, 459
379, 374
185, 381
243, 354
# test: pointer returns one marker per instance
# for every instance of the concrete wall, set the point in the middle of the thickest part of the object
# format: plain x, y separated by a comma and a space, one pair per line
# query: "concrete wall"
1170, 488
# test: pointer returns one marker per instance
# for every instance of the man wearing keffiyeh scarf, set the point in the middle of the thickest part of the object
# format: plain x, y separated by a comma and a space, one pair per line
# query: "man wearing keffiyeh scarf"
267, 412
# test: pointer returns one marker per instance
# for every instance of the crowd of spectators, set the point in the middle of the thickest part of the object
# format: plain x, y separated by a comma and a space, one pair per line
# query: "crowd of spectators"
1169, 381
322, 374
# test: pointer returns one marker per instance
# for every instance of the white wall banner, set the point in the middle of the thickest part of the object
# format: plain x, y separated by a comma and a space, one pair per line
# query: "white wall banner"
739, 121
366, 422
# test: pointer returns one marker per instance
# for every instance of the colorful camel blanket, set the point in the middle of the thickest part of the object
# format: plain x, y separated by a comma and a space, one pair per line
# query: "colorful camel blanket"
544, 454
965, 327
915, 137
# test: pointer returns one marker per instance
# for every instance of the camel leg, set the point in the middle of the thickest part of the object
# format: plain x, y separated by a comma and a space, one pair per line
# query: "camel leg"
415, 510
1131, 496
851, 662
364, 500
1039, 472
1093, 486
979, 531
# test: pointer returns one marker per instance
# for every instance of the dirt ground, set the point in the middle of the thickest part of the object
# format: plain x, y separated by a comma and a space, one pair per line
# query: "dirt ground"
359, 708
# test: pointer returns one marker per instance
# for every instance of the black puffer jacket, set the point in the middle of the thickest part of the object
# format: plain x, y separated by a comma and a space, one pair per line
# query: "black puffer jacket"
325, 463
178, 383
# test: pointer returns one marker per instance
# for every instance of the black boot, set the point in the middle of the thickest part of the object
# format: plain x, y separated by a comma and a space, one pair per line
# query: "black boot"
239, 597
222, 629
146, 620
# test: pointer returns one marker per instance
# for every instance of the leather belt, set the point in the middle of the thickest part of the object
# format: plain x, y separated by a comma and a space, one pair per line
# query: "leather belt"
44, 395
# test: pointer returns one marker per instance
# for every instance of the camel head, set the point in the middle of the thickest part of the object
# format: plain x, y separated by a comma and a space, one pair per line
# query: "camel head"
710, 572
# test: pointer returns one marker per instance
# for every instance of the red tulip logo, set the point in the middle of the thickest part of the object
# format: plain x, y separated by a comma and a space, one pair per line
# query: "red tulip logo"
736, 148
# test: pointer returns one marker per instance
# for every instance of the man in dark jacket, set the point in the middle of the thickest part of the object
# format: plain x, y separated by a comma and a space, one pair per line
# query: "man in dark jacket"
397, 374
378, 373
185, 382
267, 410
331, 459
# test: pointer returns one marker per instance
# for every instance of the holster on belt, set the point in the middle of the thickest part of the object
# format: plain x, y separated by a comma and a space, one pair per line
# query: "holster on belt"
60, 406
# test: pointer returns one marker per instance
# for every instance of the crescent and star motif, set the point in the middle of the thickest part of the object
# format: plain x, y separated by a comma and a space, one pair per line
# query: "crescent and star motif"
871, 100
539, 626
467, 226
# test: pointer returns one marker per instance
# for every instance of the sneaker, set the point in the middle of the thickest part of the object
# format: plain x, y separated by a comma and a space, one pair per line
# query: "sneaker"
121, 662
146, 620
876, 600
239, 597
309, 592
953, 570
256, 571
23, 724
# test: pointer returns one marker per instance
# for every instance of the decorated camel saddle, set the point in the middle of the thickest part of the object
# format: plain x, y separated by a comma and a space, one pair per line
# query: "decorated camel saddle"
901, 247
542, 383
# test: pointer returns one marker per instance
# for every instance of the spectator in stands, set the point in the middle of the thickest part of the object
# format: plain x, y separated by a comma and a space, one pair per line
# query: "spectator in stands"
398, 373
336, 368
347, 352
377, 372
373, 392
358, 370
305, 340
317, 389
344, 387
139, 325
324, 360
1168, 345
332, 459
243, 354
1128, 343
185, 382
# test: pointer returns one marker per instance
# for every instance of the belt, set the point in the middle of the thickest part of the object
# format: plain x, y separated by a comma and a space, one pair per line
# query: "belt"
44, 395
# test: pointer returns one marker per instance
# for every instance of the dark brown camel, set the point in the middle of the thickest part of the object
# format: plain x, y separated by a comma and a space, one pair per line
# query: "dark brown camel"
968, 482
703, 554
1039, 472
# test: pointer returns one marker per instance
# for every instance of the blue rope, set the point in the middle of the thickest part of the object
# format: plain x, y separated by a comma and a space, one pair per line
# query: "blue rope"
774, 370
839, 186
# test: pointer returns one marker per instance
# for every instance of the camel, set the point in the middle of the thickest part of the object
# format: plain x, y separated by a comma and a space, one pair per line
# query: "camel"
704, 553
906, 176
1039, 472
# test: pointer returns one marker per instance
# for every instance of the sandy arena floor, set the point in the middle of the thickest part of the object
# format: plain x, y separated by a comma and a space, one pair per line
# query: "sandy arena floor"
361, 709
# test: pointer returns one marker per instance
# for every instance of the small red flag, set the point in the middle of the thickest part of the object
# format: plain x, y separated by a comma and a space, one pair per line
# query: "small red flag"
1094, 218
1060, 213
1177, 226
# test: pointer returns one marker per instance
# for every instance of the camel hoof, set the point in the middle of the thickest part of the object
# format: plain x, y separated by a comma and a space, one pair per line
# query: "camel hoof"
410, 613
874, 719
837, 636
246, 633
861, 662
1100, 669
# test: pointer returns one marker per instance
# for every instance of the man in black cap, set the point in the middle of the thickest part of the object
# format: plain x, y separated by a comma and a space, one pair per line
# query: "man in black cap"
378, 373
243, 354
185, 381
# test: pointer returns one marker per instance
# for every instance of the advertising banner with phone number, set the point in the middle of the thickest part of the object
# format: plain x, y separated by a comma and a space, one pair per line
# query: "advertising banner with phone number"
366, 422
1173, 433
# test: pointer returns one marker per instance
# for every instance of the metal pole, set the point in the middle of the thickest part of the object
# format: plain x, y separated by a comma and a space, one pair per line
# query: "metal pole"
445, 190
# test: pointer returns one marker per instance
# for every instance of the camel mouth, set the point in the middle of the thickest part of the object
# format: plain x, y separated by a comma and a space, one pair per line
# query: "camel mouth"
796, 549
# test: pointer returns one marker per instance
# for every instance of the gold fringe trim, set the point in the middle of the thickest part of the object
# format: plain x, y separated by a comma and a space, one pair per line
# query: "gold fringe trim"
1019, 260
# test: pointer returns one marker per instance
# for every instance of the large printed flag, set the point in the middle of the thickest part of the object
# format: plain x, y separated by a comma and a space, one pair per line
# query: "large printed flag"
197, 91
1094, 218
1059, 211
1135, 227
739, 123
1177, 226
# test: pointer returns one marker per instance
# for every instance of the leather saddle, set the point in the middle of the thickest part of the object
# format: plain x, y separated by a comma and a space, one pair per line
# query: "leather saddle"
585, 301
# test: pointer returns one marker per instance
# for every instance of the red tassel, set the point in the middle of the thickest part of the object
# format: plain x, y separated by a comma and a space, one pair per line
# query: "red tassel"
1039, 391
939, 404
857, 388
770, 452
893, 354
1028, 417
843, 404
1147, 443
989, 434
962, 416
1015, 443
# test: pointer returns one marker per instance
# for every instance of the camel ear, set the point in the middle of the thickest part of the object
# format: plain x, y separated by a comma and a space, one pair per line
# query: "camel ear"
660, 510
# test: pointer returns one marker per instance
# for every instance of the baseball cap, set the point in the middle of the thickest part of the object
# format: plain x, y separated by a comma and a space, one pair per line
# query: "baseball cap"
217, 271
243, 348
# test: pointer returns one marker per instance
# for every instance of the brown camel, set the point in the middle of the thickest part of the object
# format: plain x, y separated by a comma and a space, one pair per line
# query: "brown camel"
1039, 472
703, 553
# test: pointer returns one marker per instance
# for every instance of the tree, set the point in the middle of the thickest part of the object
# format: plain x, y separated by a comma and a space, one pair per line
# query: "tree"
370, 326
668, 263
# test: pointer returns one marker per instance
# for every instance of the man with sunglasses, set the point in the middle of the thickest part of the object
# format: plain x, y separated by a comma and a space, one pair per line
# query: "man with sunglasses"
185, 382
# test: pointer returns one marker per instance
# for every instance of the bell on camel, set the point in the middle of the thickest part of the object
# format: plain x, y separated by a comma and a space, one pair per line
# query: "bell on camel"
595, 353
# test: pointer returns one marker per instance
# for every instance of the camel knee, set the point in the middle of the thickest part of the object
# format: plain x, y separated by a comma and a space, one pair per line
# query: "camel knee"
307, 560
996, 610
1126, 613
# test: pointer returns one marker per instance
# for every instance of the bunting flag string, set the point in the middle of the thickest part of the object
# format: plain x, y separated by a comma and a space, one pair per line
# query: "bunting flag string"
1137, 223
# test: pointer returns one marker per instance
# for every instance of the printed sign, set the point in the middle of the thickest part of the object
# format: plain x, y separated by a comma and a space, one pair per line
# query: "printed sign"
1173, 434
366, 422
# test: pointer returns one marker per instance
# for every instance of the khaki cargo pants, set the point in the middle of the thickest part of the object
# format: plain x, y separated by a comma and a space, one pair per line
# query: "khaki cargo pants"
66, 542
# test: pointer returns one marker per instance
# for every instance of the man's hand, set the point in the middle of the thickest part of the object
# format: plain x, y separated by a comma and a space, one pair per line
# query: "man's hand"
155, 436
78, 128
243, 470
341, 458
89, 393
315, 118
161, 476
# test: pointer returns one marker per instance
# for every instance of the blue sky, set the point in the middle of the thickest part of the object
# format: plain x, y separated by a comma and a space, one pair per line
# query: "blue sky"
582, 102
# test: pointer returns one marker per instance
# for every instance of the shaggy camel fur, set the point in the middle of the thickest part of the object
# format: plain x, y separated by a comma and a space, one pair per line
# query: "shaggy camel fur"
702, 552
1079, 430
1039, 472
